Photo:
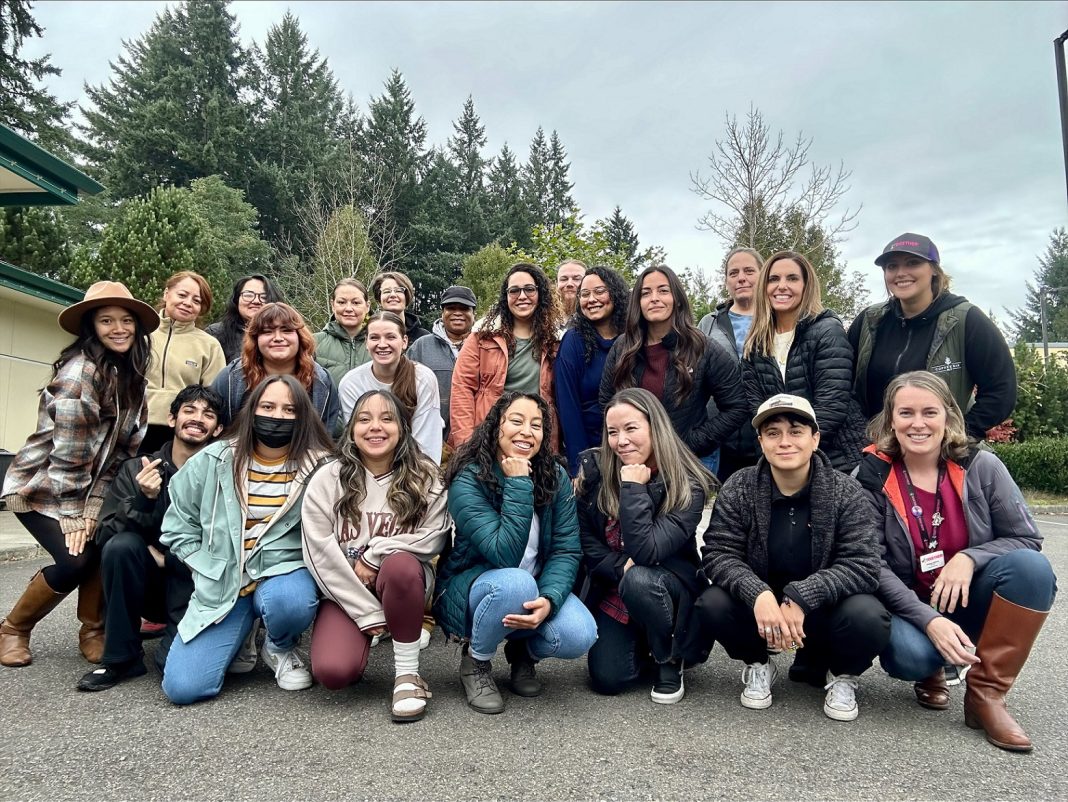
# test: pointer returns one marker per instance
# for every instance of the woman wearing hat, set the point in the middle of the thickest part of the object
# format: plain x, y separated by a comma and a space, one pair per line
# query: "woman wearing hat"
182, 354
923, 326
92, 416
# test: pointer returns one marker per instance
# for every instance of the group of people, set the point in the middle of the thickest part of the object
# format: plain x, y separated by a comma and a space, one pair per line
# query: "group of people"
538, 479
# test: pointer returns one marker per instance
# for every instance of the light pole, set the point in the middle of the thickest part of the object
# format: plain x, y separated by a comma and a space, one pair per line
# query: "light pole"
1062, 91
1043, 293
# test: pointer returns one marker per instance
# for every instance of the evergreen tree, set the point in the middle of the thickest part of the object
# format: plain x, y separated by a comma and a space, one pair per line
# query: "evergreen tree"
172, 111
465, 148
510, 220
35, 238
537, 175
483, 272
560, 202
230, 237
300, 118
25, 105
1052, 272
440, 234
619, 233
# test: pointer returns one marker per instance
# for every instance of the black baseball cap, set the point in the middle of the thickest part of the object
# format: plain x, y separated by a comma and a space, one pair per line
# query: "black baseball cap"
915, 244
458, 295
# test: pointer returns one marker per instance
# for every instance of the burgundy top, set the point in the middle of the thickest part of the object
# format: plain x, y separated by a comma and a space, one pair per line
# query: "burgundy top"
656, 366
952, 534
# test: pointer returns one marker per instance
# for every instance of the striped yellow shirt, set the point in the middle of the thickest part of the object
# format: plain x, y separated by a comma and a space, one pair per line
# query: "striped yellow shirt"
268, 488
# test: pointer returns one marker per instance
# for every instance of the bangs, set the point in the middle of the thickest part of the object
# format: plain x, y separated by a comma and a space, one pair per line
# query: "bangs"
276, 315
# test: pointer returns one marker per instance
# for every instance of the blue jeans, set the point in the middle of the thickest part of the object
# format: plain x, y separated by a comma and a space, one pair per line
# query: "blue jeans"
712, 462
1023, 577
500, 592
287, 605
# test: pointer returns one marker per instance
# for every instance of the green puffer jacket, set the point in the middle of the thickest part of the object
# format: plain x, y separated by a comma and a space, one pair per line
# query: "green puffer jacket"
492, 529
339, 353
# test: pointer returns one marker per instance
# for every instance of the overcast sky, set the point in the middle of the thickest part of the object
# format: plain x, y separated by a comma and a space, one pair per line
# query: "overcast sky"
945, 112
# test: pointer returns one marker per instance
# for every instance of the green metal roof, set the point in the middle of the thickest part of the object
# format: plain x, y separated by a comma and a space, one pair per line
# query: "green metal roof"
31, 176
38, 286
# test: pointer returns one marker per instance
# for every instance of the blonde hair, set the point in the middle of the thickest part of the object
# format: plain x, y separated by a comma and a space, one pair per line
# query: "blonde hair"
677, 465
761, 338
955, 442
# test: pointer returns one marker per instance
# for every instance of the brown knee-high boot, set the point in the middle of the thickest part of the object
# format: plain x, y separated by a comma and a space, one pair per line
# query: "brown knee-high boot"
91, 614
37, 601
1004, 644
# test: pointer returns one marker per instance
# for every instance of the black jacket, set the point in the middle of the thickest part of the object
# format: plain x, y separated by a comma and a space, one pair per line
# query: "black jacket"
717, 325
414, 327
715, 377
845, 548
650, 539
819, 368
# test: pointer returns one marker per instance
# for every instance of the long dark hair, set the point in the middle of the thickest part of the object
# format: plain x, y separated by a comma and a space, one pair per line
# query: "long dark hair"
404, 387
481, 449
231, 322
547, 314
691, 342
118, 376
414, 473
617, 293
309, 434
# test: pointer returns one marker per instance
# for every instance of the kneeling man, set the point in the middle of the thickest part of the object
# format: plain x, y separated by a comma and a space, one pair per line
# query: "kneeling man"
792, 554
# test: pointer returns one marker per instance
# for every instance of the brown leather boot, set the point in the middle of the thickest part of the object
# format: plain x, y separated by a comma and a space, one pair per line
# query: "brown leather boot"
933, 692
91, 614
37, 601
1004, 644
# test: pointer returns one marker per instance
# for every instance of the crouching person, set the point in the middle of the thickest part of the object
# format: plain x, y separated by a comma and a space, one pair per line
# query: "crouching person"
641, 495
141, 577
792, 554
374, 519
234, 519
516, 553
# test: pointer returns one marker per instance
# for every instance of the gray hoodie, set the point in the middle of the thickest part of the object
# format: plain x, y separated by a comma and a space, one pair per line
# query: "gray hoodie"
437, 353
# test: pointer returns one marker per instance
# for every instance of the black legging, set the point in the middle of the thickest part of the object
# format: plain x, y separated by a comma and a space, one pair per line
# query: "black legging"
68, 572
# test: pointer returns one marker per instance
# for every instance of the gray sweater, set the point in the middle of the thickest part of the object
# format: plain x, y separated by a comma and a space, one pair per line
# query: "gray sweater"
436, 353
844, 546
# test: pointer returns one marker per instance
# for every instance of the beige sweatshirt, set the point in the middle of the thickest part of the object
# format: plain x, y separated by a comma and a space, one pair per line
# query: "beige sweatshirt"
332, 545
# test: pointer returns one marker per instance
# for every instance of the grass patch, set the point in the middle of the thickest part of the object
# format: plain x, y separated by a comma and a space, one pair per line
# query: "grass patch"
1040, 498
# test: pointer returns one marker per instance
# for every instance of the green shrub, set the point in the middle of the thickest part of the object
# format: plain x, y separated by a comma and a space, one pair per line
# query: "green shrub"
1042, 398
1040, 463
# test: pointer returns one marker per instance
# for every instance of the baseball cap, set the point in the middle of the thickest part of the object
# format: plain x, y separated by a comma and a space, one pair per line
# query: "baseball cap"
916, 244
458, 295
784, 403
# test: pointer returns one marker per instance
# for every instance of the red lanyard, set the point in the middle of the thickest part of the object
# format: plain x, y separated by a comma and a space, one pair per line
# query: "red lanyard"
929, 539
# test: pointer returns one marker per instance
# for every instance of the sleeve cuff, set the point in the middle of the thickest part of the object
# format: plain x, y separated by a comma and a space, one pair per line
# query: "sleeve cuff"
791, 593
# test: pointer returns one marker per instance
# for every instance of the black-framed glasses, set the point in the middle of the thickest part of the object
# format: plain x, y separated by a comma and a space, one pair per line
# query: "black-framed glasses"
599, 292
529, 289
249, 295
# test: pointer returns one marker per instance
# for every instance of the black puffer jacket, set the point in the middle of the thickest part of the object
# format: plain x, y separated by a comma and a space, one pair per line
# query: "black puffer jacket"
820, 369
715, 377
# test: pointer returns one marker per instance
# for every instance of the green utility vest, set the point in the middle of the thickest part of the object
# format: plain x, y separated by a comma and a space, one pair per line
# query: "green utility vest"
945, 357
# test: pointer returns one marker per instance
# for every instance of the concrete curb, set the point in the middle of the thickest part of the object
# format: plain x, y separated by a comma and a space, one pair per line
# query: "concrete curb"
1050, 509
12, 553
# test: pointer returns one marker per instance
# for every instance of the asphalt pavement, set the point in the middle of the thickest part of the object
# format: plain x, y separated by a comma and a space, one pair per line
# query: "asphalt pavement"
256, 741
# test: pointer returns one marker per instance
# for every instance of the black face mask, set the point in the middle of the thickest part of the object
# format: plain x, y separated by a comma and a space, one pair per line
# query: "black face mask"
273, 432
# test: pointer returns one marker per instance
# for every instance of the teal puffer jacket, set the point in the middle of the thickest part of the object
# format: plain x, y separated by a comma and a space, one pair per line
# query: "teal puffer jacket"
339, 353
492, 529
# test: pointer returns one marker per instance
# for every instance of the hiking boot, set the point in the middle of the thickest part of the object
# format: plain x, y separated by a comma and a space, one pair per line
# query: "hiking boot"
524, 682
481, 690
758, 679
668, 687
841, 700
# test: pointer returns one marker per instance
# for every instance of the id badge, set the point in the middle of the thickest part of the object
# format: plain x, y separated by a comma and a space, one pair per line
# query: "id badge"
932, 561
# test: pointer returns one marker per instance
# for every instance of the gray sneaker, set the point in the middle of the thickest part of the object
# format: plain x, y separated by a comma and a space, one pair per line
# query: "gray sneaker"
481, 690
841, 700
758, 679
288, 668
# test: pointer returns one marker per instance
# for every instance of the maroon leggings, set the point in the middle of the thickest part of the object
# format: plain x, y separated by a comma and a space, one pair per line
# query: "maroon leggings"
338, 647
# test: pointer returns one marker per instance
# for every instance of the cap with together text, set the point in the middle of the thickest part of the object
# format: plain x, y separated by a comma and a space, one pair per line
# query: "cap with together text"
458, 295
915, 244
782, 404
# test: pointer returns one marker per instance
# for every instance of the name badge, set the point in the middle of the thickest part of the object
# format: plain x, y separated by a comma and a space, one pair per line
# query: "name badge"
932, 561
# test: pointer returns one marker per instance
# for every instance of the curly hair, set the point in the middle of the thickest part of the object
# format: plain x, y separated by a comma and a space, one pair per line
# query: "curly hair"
414, 473
481, 450
404, 387
955, 441
691, 342
617, 294
269, 317
547, 314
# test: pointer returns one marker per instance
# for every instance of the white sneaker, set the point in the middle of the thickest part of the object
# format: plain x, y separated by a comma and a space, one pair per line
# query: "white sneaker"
841, 700
758, 679
289, 670
245, 659
424, 638
377, 639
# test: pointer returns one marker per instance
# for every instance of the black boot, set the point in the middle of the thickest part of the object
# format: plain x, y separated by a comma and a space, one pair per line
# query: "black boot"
524, 681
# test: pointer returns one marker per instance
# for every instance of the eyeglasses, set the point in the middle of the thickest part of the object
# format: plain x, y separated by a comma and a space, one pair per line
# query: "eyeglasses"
600, 292
249, 295
530, 290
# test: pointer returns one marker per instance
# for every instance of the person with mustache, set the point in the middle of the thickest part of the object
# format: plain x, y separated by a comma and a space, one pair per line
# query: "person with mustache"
141, 577
568, 277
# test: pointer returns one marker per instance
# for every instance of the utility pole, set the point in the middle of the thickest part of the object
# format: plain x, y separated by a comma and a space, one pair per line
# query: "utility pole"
1043, 293
1062, 91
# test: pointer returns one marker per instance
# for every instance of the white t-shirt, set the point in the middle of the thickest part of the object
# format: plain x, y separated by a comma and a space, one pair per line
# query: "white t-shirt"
529, 563
426, 424
781, 349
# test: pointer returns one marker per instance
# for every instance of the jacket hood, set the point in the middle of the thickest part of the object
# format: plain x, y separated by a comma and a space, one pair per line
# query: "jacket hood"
411, 321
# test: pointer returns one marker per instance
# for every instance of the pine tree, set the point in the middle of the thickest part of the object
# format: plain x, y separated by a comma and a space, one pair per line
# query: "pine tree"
560, 203
35, 238
510, 220
172, 111
300, 119
536, 180
465, 148
439, 234
619, 233
1052, 272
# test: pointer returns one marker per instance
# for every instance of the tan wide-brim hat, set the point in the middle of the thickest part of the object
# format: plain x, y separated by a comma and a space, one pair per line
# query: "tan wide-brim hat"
107, 293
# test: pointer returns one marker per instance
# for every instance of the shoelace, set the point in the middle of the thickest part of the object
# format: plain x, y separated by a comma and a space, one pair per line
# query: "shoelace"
288, 661
484, 675
842, 688
757, 678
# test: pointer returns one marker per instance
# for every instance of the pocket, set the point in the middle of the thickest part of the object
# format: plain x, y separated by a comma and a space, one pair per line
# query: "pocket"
206, 564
